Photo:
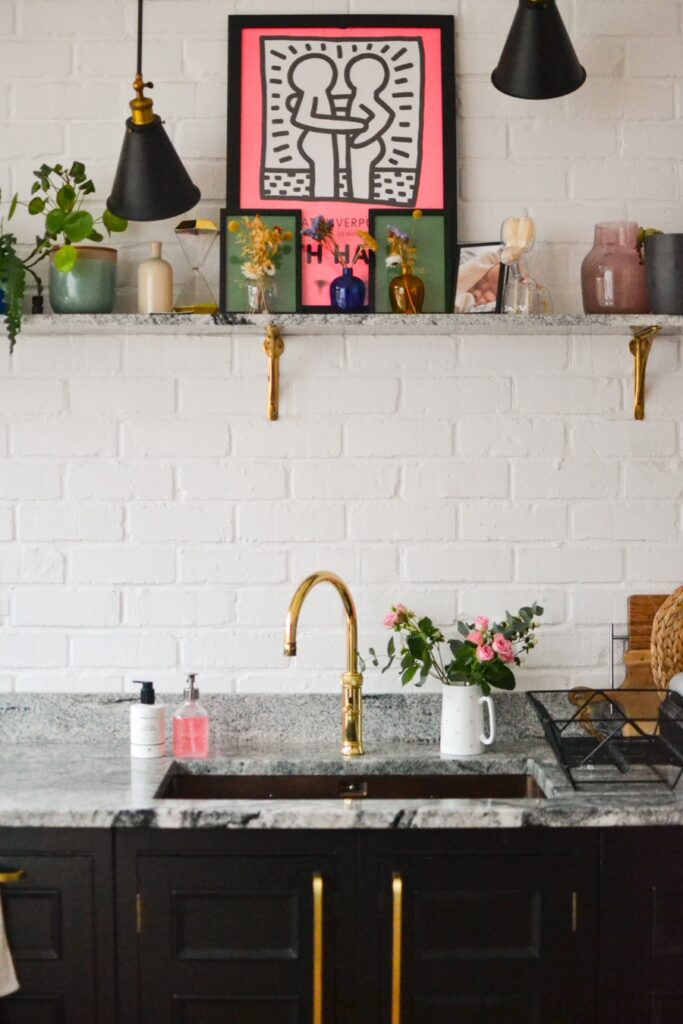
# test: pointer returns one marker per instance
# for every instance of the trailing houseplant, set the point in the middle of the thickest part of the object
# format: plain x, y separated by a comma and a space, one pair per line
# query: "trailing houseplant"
13, 271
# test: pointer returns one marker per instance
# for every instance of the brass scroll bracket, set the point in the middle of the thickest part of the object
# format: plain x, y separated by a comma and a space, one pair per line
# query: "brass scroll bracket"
640, 347
273, 346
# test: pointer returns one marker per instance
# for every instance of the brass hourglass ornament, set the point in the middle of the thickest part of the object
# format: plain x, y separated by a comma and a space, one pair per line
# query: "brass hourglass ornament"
196, 238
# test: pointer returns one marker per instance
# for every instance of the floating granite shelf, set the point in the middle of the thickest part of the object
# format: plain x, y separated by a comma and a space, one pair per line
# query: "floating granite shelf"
361, 323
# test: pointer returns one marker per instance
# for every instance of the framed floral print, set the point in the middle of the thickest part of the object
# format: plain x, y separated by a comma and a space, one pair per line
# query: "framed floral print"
333, 115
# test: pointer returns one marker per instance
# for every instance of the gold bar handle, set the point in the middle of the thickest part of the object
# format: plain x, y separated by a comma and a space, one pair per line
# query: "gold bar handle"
396, 946
318, 901
10, 875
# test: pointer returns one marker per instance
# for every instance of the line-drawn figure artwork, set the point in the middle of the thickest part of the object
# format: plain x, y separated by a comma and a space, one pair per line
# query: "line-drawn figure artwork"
342, 119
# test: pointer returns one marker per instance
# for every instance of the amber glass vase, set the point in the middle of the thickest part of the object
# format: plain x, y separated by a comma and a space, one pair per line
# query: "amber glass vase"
406, 293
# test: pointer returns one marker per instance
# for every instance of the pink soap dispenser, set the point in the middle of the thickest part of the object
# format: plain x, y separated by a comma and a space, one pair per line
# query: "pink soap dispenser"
191, 724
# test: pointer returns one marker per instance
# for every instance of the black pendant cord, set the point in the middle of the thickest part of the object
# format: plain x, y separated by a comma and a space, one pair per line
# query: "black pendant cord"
139, 69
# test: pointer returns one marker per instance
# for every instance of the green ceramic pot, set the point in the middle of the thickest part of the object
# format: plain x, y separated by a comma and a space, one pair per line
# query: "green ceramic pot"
90, 287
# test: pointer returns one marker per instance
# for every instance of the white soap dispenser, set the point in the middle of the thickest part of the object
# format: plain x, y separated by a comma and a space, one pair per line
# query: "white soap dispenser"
147, 724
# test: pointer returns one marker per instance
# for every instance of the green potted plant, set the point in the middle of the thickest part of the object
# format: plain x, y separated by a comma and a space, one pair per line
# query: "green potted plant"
82, 277
13, 271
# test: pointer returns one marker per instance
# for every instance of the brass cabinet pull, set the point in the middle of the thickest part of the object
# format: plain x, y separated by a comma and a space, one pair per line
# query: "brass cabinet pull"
9, 875
396, 946
318, 899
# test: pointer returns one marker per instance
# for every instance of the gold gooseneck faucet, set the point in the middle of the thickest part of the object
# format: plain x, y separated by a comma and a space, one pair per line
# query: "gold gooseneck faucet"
351, 680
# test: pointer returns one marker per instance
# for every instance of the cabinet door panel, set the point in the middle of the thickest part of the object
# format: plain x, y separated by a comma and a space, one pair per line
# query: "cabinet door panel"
20, 1009
230, 937
490, 936
642, 926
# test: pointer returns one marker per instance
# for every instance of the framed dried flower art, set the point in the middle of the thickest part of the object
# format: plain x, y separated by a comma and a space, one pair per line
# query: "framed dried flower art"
260, 266
413, 245
335, 114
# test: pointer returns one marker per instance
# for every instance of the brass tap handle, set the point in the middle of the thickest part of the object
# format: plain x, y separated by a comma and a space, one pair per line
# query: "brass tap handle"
273, 346
318, 947
396, 946
10, 875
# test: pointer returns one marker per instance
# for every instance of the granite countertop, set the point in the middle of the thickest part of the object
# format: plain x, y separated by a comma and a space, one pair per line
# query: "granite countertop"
72, 769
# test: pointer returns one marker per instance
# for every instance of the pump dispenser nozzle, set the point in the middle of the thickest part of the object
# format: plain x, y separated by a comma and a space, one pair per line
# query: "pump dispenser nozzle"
147, 694
191, 691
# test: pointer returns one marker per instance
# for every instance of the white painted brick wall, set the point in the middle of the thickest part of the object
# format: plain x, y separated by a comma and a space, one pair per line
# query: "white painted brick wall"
157, 536
152, 521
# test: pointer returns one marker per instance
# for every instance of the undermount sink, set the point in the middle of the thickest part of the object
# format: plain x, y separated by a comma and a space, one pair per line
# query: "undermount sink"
178, 786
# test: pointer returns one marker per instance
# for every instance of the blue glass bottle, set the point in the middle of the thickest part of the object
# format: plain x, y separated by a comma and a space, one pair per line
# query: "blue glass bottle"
3, 307
347, 293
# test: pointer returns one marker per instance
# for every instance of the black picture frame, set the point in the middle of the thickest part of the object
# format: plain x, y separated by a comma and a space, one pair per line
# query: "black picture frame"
444, 53
463, 249
294, 217
439, 262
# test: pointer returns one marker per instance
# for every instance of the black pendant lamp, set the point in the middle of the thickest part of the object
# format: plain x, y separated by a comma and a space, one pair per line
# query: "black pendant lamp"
151, 182
538, 61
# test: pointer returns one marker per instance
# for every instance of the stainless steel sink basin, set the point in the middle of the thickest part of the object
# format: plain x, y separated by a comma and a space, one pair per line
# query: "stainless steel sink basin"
178, 786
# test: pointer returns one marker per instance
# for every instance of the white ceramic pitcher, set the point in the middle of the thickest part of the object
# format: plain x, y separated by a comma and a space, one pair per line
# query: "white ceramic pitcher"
462, 721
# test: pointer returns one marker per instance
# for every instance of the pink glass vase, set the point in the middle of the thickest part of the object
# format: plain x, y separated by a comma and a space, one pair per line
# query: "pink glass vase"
612, 275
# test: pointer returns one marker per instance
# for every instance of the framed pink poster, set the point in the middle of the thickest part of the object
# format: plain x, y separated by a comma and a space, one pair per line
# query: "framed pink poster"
337, 114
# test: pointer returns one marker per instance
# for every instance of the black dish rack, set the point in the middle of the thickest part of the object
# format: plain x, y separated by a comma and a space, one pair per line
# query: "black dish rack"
595, 736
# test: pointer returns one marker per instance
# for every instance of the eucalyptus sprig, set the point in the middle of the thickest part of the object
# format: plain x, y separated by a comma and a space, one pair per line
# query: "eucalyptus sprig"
480, 656
58, 194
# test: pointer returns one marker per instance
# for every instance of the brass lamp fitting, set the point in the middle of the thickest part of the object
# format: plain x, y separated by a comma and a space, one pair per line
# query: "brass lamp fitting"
141, 106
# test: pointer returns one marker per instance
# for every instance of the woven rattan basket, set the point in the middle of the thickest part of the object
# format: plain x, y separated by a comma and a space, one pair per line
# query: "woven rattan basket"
666, 645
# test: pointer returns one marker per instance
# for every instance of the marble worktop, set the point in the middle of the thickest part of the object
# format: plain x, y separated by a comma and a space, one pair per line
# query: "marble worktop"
74, 770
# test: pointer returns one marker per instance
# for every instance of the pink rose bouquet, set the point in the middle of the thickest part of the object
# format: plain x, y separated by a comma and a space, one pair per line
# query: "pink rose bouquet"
481, 654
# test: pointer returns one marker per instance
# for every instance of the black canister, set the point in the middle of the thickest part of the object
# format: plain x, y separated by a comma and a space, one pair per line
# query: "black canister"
664, 272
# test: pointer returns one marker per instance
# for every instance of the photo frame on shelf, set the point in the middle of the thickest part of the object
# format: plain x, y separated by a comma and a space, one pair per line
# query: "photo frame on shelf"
430, 234
480, 278
233, 284
336, 114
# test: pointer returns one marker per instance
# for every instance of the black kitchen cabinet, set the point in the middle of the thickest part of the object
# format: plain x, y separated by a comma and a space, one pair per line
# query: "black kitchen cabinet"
484, 927
641, 926
59, 921
232, 928
497, 927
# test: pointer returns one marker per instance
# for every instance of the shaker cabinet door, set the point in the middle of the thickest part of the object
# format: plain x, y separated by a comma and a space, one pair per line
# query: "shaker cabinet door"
59, 924
641, 926
487, 932
238, 933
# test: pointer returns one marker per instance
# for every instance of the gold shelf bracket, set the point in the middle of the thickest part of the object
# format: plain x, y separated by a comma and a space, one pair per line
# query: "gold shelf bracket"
273, 346
640, 348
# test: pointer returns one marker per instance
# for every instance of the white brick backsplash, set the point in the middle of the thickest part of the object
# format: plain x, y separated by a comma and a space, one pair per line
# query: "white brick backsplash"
123, 397
343, 478
62, 607
541, 478
114, 564
63, 437
150, 438
570, 563
159, 521
456, 478
30, 480
290, 521
498, 521
636, 521
114, 480
179, 607
55, 521
393, 436
31, 565
120, 649
511, 436
401, 520
624, 439
236, 478
152, 520
232, 565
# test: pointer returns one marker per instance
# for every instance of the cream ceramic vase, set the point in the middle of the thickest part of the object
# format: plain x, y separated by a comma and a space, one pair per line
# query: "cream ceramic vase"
462, 721
155, 283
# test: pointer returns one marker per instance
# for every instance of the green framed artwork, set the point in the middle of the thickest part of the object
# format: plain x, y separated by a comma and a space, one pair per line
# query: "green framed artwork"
429, 233
233, 284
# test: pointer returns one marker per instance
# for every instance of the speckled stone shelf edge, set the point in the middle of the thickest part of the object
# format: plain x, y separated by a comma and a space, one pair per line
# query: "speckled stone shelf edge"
336, 323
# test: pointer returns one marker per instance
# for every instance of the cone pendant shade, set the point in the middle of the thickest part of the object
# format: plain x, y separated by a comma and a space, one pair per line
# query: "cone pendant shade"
538, 61
151, 182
